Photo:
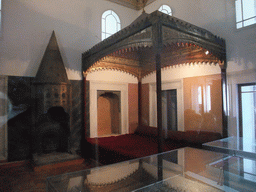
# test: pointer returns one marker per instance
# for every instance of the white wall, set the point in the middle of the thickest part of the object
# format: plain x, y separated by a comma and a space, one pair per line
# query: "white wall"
111, 76
183, 71
28, 24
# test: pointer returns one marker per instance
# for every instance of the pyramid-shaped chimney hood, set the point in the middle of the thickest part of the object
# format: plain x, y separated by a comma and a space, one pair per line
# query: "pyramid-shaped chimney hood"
52, 69
52, 87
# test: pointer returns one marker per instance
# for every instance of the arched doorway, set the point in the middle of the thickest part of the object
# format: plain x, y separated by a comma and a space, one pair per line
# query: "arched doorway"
108, 113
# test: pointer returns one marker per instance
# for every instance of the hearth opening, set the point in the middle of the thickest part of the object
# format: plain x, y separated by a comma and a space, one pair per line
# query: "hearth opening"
52, 131
50, 142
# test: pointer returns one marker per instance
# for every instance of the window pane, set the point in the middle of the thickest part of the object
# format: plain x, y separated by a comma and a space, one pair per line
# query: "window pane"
248, 9
238, 11
165, 9
245, 13
250, 22
110, 24
239, 25
103, 26
248, 88
116, 17
107, 35
248, 116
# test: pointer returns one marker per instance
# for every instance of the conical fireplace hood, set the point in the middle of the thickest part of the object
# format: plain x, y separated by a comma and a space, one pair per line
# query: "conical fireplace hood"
52, 69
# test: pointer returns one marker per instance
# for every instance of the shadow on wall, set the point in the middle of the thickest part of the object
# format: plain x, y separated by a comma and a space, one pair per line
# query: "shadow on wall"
19, 118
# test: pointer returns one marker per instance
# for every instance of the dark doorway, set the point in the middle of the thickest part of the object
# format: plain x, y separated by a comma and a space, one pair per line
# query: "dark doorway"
169, 109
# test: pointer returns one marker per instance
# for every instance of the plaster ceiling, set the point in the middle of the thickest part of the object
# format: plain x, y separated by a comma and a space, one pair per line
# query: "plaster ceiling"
133, 4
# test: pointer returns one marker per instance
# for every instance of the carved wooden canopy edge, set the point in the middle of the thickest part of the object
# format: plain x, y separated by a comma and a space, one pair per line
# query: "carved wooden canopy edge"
182, 42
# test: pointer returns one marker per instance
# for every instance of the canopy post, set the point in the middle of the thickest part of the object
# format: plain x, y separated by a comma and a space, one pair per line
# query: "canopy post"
224, 102
159, 115
159, 102
157, 40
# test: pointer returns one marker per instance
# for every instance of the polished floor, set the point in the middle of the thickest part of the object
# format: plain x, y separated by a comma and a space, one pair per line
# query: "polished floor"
21, 177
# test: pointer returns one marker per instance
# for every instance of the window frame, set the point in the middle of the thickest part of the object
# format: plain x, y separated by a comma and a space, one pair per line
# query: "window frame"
104, 33
163, 7
240, 20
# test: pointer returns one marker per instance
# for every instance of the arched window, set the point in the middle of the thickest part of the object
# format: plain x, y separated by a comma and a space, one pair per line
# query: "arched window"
165, 9
110, 24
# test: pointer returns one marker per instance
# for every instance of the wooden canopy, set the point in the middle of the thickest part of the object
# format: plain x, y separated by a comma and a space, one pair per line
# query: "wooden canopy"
133, 48
155, 41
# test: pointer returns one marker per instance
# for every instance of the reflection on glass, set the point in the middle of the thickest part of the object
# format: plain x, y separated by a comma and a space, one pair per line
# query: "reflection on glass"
208, 98
203, 103
213, 172
169, 109
248, 101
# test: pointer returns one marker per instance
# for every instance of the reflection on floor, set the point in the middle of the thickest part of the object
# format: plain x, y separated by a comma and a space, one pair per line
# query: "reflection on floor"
21, 177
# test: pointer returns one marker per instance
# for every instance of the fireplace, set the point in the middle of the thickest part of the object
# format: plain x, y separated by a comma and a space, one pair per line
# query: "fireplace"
32, 97
52, 131
52, 108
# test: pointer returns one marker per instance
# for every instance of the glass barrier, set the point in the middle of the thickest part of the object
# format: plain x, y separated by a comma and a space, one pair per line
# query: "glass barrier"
185, 169
236, 146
